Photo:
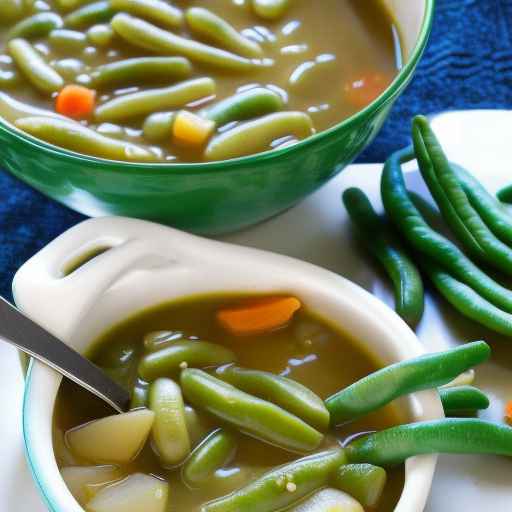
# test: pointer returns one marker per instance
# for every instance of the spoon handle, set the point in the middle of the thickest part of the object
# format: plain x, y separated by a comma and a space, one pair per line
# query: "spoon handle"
29, 337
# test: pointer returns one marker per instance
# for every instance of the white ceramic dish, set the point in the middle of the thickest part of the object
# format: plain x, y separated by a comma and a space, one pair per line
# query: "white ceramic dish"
149, 264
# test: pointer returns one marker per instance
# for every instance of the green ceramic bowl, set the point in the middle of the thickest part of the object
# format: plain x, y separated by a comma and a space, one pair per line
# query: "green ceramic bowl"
214, 198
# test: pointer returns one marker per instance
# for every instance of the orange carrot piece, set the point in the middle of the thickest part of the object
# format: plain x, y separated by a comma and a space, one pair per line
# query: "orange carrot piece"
361, 90
508, 412
76, 101
191, 130
258, 316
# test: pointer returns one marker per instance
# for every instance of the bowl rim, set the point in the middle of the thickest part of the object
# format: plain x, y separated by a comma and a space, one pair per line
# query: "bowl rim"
117, 166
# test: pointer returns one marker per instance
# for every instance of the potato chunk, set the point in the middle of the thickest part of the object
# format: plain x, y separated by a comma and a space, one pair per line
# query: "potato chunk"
113, 440
137, 493
329, 500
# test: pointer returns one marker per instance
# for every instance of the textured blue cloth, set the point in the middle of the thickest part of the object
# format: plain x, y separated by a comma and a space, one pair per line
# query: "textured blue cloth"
468, 64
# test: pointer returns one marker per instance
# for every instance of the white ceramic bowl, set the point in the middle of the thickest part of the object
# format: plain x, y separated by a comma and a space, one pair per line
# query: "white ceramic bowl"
148, 264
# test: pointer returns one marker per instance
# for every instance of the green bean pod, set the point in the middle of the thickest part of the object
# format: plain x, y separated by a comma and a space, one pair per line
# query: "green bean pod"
170, 434
170, 360
462, 399
206, 24
149, 37
433, 246
37, 25
362, 481
30, 62
11, 10
271, 492
215, 452
75, 137
270, 9
286, 393
67, 39
257, 135
158, 340
255, 102
158, 126
157, 11
101, 35
68, 5
146, 102
385, 385
129, 71
140, 395
505, 194
90, 14
198, 426
393, 446
408, 285
249, 414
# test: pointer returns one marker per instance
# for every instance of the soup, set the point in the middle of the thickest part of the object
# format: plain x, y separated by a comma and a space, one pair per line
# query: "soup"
191, 81
282, 345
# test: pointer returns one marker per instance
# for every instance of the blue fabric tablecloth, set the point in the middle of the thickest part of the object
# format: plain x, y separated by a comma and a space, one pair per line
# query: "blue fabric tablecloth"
468, 64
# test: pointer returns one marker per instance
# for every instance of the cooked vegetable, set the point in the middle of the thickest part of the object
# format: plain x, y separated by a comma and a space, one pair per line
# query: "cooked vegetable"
508, 412
258, 315
329, 500
140, 395
11, 10
197, 426
462, 400
407, 282
383, 386
270, 9
191, 130
100, 35
158, 126
90, 14
362, 481
251, 415
505, 194
35, 26
157, 11
113, 440
65, 39
76, 101
157, 340
170, 434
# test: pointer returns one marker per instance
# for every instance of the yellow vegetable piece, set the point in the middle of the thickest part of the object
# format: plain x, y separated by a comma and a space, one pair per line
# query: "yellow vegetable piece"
329, 500
191, 130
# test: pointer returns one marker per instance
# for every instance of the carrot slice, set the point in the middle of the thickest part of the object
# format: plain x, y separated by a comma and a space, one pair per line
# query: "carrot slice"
508, 412
361, 90
76, 101
258, 316
191, 130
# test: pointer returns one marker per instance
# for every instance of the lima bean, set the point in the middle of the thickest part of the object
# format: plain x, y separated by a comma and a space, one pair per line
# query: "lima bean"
37, 25
157, 11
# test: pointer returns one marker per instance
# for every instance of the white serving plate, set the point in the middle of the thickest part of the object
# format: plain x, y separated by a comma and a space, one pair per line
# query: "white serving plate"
317, 231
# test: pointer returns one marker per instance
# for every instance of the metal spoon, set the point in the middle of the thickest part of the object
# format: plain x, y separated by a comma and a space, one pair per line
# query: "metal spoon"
31, 338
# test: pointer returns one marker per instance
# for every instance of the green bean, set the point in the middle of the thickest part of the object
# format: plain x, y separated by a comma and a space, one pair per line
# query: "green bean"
157, 11
462, 399
183, 353
383, 386
395, 445
433, 246
157, 340
140, 395
140, 69
90, 14
158, 126
149, 37
255, 102
215, 452
505, 194
249, 414
408, 285
101, 35
270, 9
11, 10
30, 62
258, 135
37, 25
282, 486
198, 427
208, 25
286, 393
492, 212
453, 202
170, 435
70, 40
146, 102
362, 481
75, 137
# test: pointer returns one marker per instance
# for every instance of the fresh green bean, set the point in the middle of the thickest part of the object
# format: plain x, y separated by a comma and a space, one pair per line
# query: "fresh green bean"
158, 126
30, 62
75, 137
37, 25
407, 218
157, 11
149, 37
255, 102
157, 340
67, 39
395, 445
362, 481
505, 194
408, 285
462, 399
170, 360
270, 9
215, 452
101, 35
453, 202
146, 102
385, 385
286, 393
140, 395
170, 435
273, 491
206, 24
256, 136
251, 415
90, 14
11, 10
141, 69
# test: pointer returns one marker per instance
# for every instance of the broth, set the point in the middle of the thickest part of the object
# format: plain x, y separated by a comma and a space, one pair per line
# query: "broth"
328, 63
307, 350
